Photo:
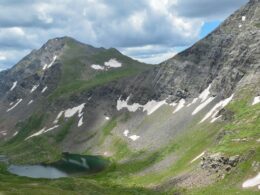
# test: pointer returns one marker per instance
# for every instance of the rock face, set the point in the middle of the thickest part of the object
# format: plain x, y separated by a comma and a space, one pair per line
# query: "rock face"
223, 58
219, 163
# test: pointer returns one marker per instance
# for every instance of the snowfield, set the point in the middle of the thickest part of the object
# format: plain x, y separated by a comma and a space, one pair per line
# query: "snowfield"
193, 102
255, 181
205, 94
134, 137
179, 106
72, 111
197, 157
80, 123
203, 105
113, 63
47, 66
215, 119
42, 131
150, 107
256, 100
215, 110
30, 102
13, 86
58, 117
97, 67
204, 99
44, 89
16, 104
34, 88
126, 132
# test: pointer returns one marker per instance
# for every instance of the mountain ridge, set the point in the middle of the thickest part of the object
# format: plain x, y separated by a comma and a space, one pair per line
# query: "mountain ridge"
189, 125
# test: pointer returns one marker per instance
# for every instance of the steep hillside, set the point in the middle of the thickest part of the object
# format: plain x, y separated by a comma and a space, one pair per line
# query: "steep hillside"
59, 75
222, 59
190, 125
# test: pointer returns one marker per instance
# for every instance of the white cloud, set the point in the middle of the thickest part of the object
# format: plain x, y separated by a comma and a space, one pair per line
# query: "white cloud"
151, 54
42, 10
2, 57
158, 27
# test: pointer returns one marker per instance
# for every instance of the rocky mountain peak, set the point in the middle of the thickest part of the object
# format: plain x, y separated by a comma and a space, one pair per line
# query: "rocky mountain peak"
222, 59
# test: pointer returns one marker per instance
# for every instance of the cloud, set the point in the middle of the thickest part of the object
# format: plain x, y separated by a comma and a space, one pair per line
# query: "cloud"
152, 54
149, 30
207, 9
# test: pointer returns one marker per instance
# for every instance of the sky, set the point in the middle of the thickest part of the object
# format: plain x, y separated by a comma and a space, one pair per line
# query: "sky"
148, 30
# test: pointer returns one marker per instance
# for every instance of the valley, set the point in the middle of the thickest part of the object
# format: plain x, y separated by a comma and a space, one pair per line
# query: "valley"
190, 125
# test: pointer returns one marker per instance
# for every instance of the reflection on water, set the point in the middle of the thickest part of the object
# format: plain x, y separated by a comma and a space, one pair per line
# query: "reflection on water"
37, 171
69, 165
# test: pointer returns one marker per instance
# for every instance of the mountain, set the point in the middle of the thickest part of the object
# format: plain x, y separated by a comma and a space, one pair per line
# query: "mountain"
189, 125
223, 58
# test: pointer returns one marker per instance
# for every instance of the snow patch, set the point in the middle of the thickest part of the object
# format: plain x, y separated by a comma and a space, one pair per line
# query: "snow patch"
256, 100
126, 132
34, 88
197, 157
255, 181
107, 118
97, 67
44, 89
72, 111
193, 102
3, 133
58, 117
15, 133
30, 102
113, 63
46, 66
80, 123
124, 104
134, 137
16, 104
150, 107
215, 119
243, 18
173, 104
240, 26
42, 131
179, 106
214, 111
205, 94
203, 105
13, 86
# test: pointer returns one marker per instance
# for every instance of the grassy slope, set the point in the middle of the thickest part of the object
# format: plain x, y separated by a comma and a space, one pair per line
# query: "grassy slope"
122, 177
76, 60
246, 124
188, 146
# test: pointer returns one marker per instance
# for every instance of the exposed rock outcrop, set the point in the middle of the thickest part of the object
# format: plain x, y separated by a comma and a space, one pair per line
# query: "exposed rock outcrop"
223, 58
219, 163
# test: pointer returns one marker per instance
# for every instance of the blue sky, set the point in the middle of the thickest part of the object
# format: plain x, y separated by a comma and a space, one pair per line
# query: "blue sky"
209, 27
147, 30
